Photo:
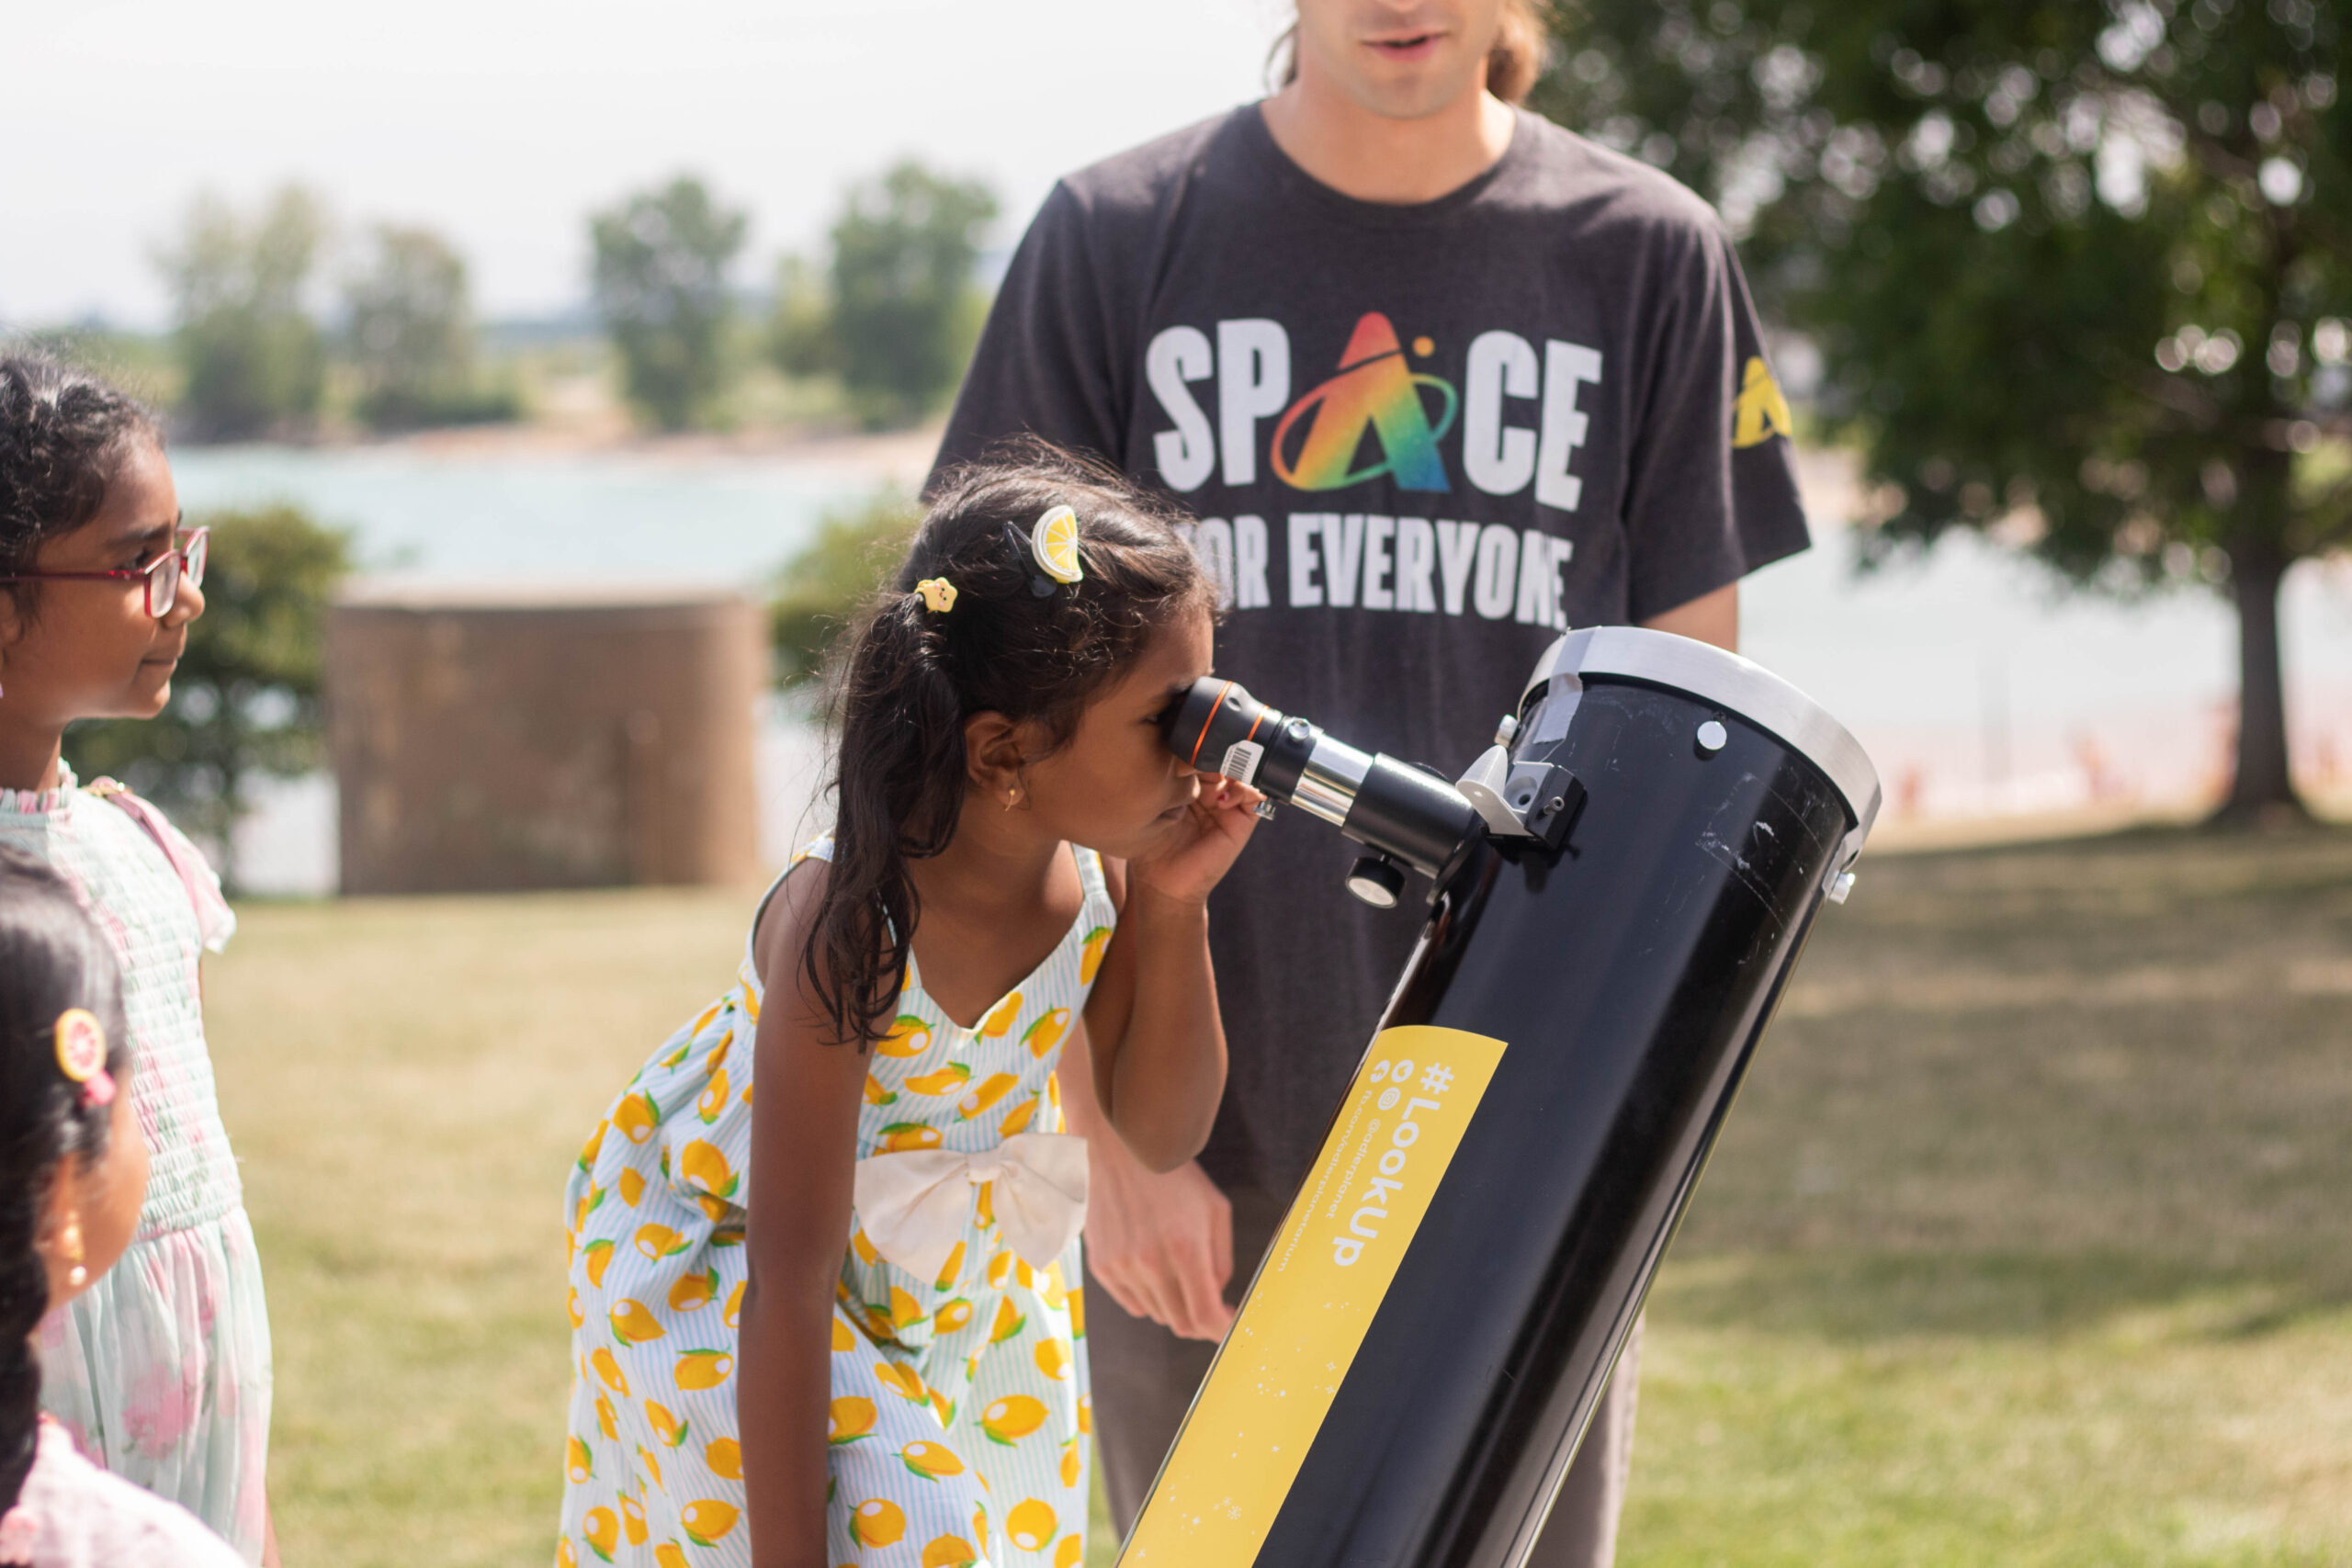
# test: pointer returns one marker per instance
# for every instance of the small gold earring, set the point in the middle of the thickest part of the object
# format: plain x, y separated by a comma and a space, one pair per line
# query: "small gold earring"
1010, 796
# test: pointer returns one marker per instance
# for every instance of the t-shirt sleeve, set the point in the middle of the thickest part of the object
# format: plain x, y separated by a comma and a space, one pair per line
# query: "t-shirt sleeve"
1048, 362
1713, 492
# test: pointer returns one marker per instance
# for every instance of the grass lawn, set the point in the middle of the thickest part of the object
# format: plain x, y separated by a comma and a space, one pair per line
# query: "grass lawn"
2026, 1244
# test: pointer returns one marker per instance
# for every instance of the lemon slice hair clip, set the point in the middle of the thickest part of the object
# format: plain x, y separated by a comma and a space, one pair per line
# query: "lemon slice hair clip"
1053, 544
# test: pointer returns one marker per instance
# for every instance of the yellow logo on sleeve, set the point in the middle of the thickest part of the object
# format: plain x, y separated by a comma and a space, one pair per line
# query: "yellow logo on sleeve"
1761, 412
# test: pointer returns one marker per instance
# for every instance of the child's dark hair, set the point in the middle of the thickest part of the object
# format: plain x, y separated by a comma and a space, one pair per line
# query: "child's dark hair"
63, 435
53, 958
913, 676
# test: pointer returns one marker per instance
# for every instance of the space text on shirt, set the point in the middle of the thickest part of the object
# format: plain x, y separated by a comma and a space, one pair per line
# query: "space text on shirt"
1365, 560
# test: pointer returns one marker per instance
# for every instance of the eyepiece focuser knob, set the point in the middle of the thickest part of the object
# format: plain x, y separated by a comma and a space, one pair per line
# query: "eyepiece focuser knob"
1409, 816
1376, 879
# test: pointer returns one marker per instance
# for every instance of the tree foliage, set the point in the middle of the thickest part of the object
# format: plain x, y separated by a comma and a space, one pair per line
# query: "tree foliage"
820, 590
245, 699
661, 258
253, 361
2079, 272
412, 335
897, 314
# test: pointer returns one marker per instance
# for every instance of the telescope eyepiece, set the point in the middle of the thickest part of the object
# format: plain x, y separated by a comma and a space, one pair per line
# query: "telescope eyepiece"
1218, 727
1211, 718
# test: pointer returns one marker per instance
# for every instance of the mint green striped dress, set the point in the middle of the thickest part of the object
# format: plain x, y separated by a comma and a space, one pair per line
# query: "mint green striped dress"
161, 1369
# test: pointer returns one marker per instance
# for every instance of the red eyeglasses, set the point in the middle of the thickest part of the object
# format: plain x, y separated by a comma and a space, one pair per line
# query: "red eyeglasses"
163, 574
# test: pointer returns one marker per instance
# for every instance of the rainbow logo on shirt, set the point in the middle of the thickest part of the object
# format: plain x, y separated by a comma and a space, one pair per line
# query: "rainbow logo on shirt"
1374, 391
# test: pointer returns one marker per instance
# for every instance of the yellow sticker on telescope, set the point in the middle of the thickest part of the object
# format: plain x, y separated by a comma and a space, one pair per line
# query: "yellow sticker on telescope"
1314, 1300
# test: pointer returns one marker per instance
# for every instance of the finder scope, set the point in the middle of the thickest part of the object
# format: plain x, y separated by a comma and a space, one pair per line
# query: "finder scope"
1403, 814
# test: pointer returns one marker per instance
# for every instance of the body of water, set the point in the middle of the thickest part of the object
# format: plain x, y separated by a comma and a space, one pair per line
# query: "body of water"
488, 519
1977, 686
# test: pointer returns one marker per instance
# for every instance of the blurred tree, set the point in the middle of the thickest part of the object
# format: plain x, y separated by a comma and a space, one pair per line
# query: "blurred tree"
820, 591
411, 335
245, 698
661, 285
253, 362
2079, 272
801, 333
899, 315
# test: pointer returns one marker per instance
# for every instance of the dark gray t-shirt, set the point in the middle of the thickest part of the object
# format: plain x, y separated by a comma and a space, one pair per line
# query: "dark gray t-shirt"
1422, 442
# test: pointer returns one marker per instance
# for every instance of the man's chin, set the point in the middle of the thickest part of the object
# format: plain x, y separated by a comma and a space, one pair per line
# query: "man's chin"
1411, 95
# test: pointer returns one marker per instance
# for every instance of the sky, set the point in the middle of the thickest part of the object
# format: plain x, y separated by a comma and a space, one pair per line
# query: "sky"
503, 123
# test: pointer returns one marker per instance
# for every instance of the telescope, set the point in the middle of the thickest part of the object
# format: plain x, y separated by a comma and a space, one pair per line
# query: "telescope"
1617, 891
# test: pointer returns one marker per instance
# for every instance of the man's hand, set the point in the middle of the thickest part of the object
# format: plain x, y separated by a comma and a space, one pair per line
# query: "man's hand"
1161, 1244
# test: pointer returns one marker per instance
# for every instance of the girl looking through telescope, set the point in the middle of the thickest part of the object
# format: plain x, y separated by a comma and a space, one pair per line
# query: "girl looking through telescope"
841, 1322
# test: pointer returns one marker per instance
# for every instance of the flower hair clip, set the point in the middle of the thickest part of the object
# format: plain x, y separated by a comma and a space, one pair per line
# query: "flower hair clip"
938, 594
82, 1054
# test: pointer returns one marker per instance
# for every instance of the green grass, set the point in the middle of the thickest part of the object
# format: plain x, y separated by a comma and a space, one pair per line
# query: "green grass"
2026, 1244
407, 1084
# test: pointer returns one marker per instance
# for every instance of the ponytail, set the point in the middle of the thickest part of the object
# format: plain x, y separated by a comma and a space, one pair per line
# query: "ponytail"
914, 675
51, 959
899, 789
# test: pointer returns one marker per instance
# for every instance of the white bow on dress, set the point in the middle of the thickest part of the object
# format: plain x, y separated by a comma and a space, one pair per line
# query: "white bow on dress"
913, 1205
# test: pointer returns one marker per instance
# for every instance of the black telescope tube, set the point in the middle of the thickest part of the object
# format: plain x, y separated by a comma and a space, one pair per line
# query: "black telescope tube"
1412, 1370
1413, 816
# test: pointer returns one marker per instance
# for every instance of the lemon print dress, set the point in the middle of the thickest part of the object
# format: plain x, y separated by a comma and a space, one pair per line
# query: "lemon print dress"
959, 1414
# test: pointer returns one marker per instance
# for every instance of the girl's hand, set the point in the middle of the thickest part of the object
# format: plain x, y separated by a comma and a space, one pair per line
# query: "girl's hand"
1206, 841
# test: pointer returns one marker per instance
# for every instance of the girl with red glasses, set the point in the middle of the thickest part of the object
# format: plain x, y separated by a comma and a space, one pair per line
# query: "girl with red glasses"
161, 1370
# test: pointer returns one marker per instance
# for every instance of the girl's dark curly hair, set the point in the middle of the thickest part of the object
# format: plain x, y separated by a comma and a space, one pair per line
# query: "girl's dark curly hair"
63, 435
913, 676
51, 958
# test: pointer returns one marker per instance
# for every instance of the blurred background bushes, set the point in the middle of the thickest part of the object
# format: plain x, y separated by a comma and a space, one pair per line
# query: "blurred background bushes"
820, 590
661, 259
896, 314
409, 333
253, 360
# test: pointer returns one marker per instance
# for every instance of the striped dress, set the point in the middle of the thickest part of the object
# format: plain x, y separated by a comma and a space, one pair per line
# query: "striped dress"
161, 1370
959, 1415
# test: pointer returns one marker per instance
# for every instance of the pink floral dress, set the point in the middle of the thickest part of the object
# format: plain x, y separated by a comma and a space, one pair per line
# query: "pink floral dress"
71, 1514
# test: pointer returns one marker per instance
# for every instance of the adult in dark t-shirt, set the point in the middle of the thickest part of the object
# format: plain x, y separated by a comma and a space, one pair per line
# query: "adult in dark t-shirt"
1439, 380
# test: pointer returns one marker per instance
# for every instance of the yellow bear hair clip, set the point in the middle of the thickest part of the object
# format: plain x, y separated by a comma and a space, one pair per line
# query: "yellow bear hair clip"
938, 594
